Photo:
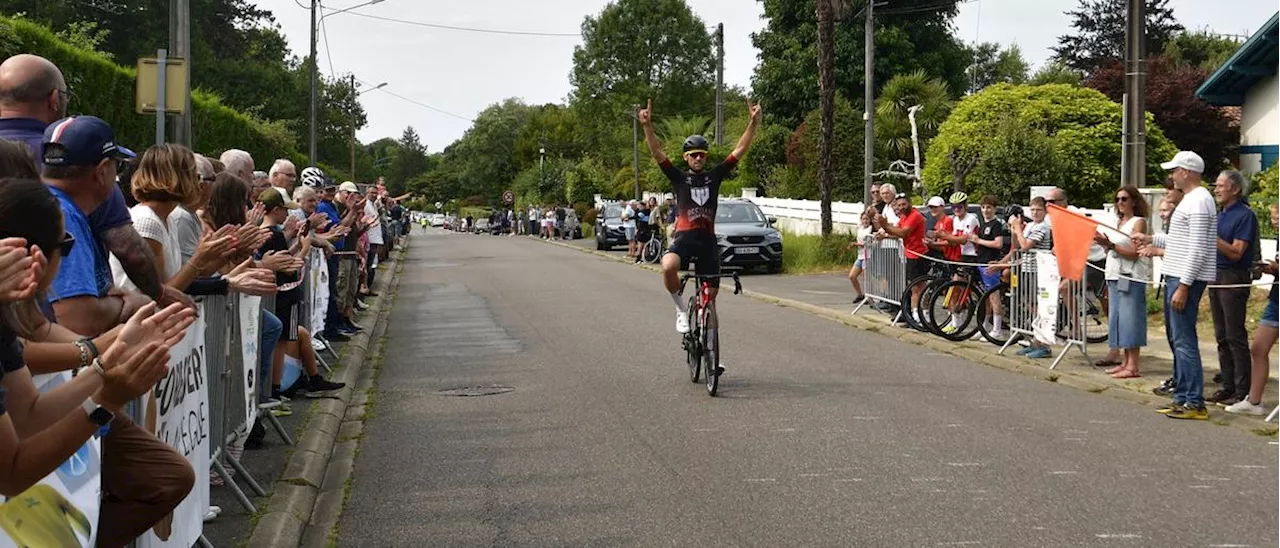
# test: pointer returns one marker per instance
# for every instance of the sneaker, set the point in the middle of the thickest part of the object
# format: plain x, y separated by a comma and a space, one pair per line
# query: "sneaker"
1230, 401
1168, 407
282, 411
317, 345
1025, 350
1188, 412
859, 299
1165, 389
719, 370
682, 322
1218, 396
360, 305
1039, 352
950, 329
318, 386
335, 336
1244, 407
351, 324
212, 513
996, 333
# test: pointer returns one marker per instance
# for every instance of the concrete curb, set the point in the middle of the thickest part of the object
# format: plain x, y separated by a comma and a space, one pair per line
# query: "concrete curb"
1126, 392
295, 495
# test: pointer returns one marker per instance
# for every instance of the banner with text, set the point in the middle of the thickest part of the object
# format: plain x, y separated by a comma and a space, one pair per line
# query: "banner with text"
1047, 280
61, 510
318, 288
182, 422
250, 324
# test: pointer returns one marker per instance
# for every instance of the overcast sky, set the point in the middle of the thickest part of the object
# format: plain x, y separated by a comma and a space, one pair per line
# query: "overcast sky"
463, 72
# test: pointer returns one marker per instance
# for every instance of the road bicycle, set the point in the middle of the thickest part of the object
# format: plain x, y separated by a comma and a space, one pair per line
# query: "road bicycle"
652, 249
702, 349
949, 307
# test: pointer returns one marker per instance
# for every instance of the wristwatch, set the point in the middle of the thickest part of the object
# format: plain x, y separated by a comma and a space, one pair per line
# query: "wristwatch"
97, 413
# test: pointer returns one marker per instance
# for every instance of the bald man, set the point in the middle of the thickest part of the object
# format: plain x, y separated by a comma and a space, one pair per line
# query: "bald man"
34, 94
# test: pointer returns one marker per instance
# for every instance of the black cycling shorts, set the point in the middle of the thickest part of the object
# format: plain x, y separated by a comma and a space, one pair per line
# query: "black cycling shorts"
700, 248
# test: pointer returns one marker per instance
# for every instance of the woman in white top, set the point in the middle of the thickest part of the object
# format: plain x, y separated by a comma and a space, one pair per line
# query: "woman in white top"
1127, 273
865, 237
167, 178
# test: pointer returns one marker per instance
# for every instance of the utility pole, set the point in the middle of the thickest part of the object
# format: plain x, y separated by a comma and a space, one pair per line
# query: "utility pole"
720, 84
1134, 140
635, 145
315, 67
869, 103
180, 46
353, 128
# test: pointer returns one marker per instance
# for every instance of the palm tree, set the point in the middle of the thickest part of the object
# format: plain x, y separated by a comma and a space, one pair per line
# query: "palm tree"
893, 126
828, 12
676, 128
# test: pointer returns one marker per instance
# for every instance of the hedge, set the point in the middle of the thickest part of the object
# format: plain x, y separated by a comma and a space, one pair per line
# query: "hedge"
106, 90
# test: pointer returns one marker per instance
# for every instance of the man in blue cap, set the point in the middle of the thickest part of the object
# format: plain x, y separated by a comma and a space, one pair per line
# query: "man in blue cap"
80, 166
143, 479
33, 94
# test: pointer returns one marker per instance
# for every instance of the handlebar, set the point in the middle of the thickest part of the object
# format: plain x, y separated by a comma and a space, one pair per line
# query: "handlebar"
737, 284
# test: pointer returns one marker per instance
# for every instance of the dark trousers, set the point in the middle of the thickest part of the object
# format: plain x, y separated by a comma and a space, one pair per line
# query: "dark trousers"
369, 270
1229, 309
143, 480
332, 316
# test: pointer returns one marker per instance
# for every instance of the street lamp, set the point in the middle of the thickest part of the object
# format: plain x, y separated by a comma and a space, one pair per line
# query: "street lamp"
352, 141
315, 65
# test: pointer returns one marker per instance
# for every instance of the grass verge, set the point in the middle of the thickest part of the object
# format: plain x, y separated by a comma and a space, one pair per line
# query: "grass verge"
810, 253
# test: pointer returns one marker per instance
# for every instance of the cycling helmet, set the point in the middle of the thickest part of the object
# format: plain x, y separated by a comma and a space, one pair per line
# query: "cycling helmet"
313, 177
959, 198
696, 143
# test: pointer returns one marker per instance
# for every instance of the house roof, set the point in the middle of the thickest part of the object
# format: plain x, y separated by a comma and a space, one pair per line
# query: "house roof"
1256, 59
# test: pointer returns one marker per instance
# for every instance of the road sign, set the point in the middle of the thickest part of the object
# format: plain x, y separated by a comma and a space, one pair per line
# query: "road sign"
439, 205
148, 85
508, 196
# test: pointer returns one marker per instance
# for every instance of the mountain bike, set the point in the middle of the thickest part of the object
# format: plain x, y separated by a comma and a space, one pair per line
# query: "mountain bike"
702, 349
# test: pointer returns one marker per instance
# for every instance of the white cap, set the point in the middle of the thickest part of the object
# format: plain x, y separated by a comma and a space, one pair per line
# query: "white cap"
936, 201
348, 186
1187, 160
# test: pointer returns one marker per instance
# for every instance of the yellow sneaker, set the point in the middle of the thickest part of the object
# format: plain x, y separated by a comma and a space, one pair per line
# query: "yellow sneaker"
1166, 408
1190, 413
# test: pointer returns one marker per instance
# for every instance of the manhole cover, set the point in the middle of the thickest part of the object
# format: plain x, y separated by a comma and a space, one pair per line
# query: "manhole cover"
476, 391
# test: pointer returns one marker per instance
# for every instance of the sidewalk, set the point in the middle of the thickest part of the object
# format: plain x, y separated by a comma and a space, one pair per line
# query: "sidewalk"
833, 292
830, 295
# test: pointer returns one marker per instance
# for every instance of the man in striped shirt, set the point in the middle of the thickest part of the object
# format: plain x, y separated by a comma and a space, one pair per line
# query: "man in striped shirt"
1190, 250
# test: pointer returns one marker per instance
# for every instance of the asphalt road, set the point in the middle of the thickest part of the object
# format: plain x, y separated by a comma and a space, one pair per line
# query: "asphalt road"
824, 435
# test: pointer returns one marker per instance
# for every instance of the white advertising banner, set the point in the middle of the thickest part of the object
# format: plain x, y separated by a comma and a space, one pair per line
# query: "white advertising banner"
1047, 280
62, 510
318, 288
250, 324
182, 422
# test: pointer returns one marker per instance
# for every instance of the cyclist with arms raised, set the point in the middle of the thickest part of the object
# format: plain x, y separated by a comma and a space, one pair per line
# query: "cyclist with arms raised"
697, 193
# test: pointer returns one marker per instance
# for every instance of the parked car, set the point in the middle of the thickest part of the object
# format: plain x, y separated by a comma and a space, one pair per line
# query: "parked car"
747, 237
436, 219
609, 232
481, 227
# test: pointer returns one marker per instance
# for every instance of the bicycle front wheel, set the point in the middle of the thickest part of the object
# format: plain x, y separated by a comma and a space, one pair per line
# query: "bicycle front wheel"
652, 251
987, 316
953, 307
693, 341
711, 349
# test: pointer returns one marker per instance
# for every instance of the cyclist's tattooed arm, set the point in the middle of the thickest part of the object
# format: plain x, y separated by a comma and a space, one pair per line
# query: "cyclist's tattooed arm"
650, 137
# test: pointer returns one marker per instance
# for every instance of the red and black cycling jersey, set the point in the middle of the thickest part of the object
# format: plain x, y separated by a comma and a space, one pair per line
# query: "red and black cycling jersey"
697, 194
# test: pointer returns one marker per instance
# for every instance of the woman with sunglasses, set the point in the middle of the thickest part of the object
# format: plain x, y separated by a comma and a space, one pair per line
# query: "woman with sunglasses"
1126, 275
38, 432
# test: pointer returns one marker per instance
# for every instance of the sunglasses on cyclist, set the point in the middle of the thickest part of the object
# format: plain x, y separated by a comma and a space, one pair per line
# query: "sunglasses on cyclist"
698, 155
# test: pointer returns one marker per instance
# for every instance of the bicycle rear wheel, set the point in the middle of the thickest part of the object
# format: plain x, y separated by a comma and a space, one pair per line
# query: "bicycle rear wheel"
910, 313
986, 316
693, 341
953, 304
711, 349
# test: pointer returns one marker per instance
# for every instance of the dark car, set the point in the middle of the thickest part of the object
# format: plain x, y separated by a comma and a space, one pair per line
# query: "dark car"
746, 237
609, 230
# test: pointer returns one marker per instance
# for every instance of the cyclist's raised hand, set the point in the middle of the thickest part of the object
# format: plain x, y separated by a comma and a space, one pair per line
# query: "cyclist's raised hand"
646, 114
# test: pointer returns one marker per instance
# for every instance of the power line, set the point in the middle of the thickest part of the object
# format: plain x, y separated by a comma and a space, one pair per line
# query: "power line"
328, 54
419, 103
465, 29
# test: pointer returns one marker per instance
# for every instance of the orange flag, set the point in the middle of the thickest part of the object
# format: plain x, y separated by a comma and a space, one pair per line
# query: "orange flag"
1072, 236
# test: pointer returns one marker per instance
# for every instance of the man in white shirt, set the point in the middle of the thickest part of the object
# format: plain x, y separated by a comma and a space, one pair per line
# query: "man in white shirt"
375, 239
1190, 255
629, 227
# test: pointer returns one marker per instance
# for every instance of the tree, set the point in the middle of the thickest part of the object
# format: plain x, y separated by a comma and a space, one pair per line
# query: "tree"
908, 37
993, 64
829, 11
1189, 122
1100, 33
410, 161
1039, 135
1056, 72
803, 158
893, 126
1201, 49
633, 51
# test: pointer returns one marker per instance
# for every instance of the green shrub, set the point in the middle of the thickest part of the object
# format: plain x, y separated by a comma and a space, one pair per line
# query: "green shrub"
812, 253
107, 90
1263, 196
1039, 135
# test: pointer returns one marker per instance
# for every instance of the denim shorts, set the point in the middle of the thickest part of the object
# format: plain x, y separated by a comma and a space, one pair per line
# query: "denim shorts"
859, 263
989, 280
631, 233
1270, 315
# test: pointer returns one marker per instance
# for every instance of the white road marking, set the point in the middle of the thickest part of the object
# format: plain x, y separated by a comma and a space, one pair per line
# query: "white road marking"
847, 480
960, 464
1063, 473
813, 475
960, 543
1118, 535
761, 480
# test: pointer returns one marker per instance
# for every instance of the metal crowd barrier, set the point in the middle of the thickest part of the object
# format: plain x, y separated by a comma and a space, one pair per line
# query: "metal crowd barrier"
1071, 320
885, 271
